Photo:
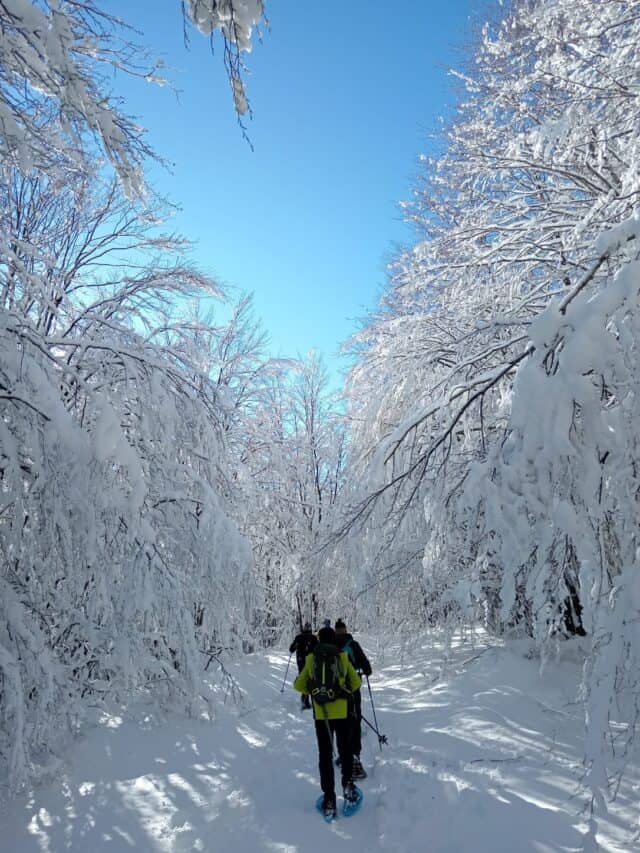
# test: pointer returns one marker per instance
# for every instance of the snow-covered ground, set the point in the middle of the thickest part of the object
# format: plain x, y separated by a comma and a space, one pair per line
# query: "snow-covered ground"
482, 756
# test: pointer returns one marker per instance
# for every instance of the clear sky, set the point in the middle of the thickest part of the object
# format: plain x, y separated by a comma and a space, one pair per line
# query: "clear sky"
344, 96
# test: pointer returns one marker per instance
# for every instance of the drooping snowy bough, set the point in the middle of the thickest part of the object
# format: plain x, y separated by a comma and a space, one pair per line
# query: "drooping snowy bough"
55, 59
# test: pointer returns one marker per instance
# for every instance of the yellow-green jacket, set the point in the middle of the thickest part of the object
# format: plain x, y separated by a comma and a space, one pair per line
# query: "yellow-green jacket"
348, 678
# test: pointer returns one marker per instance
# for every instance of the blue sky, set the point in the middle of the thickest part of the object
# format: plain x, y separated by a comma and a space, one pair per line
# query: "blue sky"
344, 96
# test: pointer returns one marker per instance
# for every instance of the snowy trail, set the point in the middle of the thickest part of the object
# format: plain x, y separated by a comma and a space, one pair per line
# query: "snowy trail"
481, 757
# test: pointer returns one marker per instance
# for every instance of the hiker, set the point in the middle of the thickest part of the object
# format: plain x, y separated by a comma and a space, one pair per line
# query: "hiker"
329, 677
304, 644
346, 643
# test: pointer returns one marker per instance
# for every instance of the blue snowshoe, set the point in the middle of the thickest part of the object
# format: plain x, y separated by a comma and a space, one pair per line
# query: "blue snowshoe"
353, 797
327, 808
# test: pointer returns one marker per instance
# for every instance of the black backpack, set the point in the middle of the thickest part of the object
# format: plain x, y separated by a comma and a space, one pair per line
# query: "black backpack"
348, 648
326, 673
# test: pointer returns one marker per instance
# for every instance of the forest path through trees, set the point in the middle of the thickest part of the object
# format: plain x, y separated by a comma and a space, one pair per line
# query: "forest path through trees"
483, 755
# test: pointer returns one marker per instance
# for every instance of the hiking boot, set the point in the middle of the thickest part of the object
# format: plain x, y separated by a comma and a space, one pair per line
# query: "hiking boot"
358, 770
329, 805
350, 792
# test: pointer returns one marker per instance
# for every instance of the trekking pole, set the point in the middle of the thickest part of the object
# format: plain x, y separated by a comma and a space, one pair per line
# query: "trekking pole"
381, 738
373, 708
284, 680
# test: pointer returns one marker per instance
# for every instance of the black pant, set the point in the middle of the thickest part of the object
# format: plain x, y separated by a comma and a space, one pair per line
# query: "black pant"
324, 734
355, 717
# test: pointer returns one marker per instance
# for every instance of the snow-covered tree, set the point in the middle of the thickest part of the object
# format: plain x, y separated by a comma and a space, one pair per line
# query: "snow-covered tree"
293, 464
116, 540
539, 160
491, 443
121, 569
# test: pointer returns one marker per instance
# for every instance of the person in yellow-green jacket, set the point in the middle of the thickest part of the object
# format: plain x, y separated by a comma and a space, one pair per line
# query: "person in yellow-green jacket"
329, 678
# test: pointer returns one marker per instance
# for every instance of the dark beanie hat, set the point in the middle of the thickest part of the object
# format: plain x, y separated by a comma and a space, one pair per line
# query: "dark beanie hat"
327, 635
340, 624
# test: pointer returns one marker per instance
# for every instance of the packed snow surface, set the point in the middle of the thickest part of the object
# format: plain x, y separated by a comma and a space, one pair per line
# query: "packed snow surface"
483, 755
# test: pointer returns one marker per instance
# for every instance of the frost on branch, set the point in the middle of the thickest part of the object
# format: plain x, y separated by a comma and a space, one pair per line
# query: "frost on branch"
51, 56
56, 60
236, 20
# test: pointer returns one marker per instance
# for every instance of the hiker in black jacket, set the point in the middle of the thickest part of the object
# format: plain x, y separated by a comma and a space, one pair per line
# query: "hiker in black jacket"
304, 643
346, 643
